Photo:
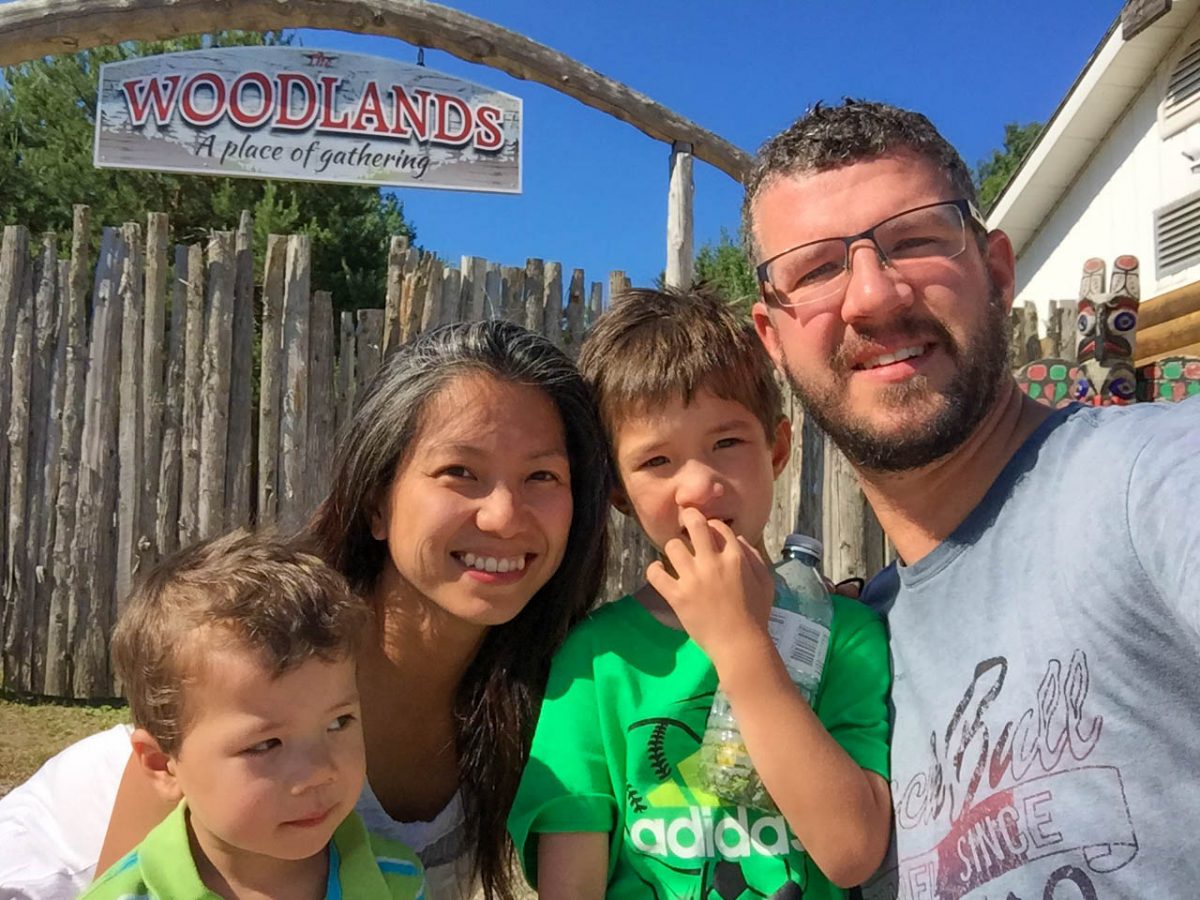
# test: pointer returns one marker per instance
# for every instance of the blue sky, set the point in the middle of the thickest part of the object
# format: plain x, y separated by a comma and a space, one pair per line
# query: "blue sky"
595, 188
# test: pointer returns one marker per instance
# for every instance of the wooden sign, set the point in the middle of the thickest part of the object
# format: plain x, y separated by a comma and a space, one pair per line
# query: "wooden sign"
307, 115
1137, 14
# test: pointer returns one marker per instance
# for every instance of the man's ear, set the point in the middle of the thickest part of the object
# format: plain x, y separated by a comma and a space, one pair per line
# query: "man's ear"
1002, 265
156, 764
760, 313
781, 449
620, 501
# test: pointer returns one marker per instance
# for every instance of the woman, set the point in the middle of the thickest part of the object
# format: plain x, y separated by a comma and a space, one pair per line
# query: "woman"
468, 505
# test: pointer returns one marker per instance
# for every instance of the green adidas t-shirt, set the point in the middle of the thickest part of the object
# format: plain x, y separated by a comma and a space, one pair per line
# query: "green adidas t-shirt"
617, 750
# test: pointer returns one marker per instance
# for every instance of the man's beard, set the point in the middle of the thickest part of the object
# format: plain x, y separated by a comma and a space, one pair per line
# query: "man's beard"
980, 370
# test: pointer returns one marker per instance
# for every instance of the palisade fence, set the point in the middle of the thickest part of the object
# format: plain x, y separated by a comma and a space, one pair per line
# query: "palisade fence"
135, 423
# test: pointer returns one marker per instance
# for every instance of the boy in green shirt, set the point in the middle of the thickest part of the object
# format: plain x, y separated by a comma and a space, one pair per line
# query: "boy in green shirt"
611, 803
237, 655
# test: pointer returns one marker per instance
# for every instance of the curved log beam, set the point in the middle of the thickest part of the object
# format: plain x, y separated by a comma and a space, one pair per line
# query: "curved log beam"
30, 29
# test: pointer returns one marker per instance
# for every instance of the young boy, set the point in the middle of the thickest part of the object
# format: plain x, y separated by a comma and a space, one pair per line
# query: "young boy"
611, 803
238, 659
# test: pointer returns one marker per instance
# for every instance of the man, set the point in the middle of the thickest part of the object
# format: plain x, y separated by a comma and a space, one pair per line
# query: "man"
1045, 629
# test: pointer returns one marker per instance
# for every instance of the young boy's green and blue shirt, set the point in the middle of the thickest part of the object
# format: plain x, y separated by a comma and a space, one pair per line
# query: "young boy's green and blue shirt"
361, 864
617, 747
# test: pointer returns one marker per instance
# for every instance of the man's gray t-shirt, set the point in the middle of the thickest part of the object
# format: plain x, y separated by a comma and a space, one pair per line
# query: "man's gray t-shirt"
1046, 691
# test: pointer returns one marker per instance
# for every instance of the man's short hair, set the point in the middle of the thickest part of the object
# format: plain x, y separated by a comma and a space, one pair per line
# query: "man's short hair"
252, 592
829, 137
652, 347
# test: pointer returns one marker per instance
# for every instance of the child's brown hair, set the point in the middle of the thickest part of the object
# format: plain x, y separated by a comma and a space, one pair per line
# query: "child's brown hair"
653, 346
257, 592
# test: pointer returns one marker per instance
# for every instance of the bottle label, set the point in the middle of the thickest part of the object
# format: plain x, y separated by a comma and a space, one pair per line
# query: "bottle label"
801, 642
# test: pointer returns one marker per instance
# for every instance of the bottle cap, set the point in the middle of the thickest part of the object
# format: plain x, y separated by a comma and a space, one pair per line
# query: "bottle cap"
804, 544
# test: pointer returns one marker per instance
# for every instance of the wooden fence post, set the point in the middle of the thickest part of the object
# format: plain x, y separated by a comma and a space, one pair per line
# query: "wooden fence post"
552, 322
94, 563
14, 258
344, 388
18, 609
293, 418
154, 381
45, 407
394, 296
431, 311
239, 463
214, 400
319, 451
512, 294
74, 359
474, 289
452, 291
193, 378
368, 343
535, 295
575, 311
270, 369
169, 474
844, 527
130, 429
680, 197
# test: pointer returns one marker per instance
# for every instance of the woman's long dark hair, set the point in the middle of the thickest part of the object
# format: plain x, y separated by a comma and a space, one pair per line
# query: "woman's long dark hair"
498, 698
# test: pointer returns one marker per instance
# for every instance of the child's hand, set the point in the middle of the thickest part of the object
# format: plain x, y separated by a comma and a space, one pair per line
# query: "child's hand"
722, 590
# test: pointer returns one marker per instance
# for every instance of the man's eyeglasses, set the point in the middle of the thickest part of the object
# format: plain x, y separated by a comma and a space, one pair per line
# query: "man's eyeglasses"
906, 241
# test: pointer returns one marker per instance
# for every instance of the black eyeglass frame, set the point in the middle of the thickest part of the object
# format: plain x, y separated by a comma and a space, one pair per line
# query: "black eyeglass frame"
966, 209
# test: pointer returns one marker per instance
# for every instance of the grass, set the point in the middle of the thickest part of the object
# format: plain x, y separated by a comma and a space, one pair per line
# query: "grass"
32, 730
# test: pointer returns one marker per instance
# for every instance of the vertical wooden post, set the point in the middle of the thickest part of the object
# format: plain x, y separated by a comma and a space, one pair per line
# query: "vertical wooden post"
474, 289
845, 526
14, 258
239, 463
130, 430
617, 284
93, 559
345, 385
811, 517
368, 343
575, 310
452, 291
154, 382
319, 451
73, 319
431, 311
169, 473
595, 304
45, 406
1068, 319
680, 200
397, 255
18, 610
535, 295
214, 400
785, 504
193, 379
512, 294
553, 306
269, 399
293, 419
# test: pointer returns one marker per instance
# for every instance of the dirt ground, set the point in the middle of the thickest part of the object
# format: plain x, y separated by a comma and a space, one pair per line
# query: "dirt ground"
31, 731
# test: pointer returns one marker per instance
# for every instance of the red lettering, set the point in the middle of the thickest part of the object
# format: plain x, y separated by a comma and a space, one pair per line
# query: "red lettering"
409, 115
370, 107
266, 103
187, 105
288, 83
329, 118
488, 135
142, 93
447, 103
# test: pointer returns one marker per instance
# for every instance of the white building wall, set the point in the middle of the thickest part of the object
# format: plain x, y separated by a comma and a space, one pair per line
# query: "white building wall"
1109, 209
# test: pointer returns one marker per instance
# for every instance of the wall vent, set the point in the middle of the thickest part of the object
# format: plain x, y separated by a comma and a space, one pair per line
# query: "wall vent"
1177, 235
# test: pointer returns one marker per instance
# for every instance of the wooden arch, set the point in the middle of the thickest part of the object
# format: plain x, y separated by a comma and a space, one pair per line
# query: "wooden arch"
30, 29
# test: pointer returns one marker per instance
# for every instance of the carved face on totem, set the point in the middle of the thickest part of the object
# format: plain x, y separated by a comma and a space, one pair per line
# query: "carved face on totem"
1107, 325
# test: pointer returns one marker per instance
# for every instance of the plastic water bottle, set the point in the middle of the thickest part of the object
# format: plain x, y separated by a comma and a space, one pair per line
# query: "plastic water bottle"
799, 627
